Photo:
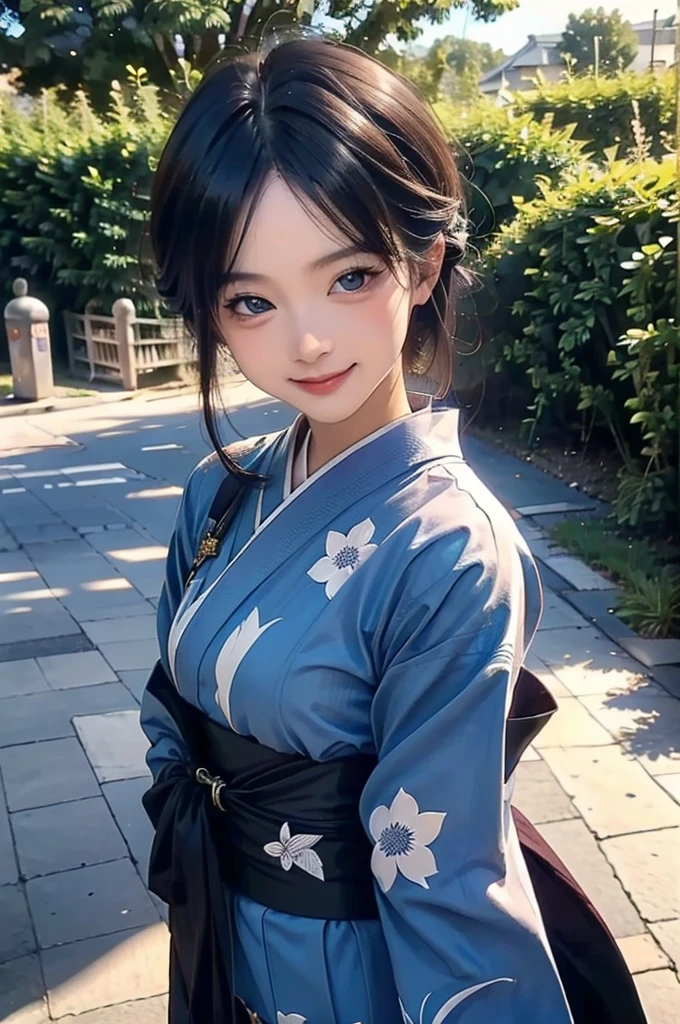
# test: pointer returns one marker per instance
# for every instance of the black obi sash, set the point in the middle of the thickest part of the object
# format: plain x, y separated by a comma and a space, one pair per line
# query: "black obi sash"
215, 816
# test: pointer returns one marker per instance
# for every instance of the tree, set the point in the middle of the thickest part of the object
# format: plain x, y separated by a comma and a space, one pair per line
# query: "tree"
617, 42
466, 62
87, 43
451, 67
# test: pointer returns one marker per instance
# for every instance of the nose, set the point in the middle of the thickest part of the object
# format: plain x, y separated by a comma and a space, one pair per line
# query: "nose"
308, 347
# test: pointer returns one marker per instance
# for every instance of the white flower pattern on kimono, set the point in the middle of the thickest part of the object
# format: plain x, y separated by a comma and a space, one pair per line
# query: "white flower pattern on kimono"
297, 850
344, 554
290, 1018
402, 836
234, 650
450, 1004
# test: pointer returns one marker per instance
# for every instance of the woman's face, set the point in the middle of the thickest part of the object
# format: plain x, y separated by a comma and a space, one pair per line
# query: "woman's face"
308, 318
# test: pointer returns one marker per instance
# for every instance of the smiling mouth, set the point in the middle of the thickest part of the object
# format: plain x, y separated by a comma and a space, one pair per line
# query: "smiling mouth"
321, 380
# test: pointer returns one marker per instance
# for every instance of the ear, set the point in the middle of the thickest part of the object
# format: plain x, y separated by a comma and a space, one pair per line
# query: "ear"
430, 271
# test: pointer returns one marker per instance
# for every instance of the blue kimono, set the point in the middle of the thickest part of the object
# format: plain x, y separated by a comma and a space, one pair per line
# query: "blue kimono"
383, 607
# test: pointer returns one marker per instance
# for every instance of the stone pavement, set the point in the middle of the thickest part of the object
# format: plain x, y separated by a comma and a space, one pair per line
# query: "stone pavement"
87, 500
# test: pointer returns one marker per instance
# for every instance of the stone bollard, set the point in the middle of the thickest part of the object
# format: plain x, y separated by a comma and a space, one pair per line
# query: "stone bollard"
125, 316
27, 321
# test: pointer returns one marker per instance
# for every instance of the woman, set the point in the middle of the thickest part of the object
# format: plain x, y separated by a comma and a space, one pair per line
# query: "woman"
345, 648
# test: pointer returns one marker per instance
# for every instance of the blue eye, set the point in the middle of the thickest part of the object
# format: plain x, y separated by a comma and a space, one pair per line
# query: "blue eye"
353, 280
251, 305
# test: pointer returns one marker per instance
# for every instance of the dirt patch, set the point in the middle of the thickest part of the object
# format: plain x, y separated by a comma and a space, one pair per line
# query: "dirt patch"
593, 472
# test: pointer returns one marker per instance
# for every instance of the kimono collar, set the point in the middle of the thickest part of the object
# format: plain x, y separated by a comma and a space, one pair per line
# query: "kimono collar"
427, 429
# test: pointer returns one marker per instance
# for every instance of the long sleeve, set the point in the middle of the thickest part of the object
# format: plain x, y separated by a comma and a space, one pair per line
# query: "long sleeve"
166, 744
462, 927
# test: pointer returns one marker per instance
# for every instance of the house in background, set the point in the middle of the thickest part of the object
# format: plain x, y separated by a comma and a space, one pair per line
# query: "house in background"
664, 44
544, 54
539, 53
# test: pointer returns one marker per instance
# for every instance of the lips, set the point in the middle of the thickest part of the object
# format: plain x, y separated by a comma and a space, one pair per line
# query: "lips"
325, 384
323, 379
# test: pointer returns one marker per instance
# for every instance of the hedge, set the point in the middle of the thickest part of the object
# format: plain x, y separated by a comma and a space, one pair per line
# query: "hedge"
501, 154
584, 330
605, 112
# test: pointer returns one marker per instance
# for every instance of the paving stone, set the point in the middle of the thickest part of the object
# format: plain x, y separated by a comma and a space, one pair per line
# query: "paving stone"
91, 515
9, 872
642, 953
142, 627
51, 772
107, 971
141, 1011
646, 724
557, 614
587, 662
42, 534
130, 610
647, 864
65, 836
554, 507
578, 573
539, 795
64, 671
530, 754
668, 676
667, 934
136, 654
47, 716
125, 800
653, 652
599, 607
572, 725
87, 902
18, 678
135, 682
16, 934
44, 647
671, 783
576, 847
115, 745
22, 997
132, 555
613, 793
660, 996
36, 620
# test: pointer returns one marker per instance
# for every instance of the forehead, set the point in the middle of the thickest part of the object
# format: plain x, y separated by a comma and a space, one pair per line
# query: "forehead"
284, 231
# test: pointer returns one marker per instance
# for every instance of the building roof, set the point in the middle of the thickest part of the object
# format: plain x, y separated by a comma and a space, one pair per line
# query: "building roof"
546, 49
536, 52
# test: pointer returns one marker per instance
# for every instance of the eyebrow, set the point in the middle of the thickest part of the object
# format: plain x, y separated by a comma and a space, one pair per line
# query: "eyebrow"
231, 276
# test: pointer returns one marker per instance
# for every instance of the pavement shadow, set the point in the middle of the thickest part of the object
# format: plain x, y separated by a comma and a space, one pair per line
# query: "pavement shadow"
647, 724
134, 462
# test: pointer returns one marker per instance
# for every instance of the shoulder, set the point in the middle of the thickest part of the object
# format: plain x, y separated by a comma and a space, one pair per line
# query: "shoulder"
461, 551
206, 477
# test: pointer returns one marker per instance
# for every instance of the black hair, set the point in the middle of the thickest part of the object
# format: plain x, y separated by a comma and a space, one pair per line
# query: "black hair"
350, 138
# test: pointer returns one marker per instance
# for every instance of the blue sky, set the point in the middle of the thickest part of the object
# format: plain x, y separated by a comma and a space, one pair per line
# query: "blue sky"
537, 17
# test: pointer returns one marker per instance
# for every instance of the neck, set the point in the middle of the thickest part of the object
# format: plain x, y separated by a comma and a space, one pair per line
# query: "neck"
388, 402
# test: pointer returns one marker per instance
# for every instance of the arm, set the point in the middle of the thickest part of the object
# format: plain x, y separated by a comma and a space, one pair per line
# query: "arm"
459, 915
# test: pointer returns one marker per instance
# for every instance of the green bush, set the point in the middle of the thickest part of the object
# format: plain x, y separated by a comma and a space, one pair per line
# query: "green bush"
75, 190
585, 276
502, 155
607, 112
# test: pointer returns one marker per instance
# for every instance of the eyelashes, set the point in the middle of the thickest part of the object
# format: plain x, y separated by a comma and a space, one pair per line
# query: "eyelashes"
256, 305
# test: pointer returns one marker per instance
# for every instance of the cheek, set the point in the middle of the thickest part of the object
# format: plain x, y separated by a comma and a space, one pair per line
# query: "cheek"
387, 316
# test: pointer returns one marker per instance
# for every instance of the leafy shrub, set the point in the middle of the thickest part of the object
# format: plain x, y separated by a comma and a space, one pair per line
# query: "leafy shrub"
75, 190
502, 155
586, 282
602, 111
